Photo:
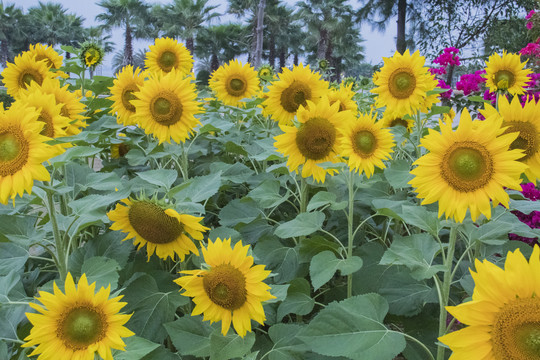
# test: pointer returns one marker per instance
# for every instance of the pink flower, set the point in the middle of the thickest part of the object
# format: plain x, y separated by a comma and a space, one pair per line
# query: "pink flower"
443, 85
529, 25
530, 14
469, 83
532, 49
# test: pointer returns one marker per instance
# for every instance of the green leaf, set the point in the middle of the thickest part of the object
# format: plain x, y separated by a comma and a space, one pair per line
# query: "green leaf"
325, 264
12, 258
321, 199
199, 188
237, 173
311, 246
304, 224
287, 346
239, 211
298, 299
234, 148
104, 181
354, 328
282, 260
136, 348
267, 194
398, 174
102, 270
230, 346
190, 335
74, 153
160, 177
420, 217
525, 206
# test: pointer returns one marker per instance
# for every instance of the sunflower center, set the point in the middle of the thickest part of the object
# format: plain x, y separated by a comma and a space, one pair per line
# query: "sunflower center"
166, 108
128, 95
504, 79
152, 223
527, 139
315, 138
236, 87
167, 61
225, 285
467, 166
91, 57
402, 83
28, 76
81, 327
516, 330
13, 151
48, 129
365, 143
295, 95
399, 121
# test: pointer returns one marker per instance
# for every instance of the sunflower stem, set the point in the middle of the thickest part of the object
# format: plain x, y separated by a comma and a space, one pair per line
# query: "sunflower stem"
419, 130
58, 240
185, 162
350, 224
303, 195
444, 294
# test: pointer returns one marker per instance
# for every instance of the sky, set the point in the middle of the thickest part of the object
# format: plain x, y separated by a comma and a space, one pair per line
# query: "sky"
376, 44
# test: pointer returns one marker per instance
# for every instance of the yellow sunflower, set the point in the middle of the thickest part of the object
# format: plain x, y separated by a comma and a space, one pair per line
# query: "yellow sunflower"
231, 290
91, 54
294, 88
503, 317
166, 107
366, 144
403, 83
467, 167
233, 82
506, 73
77, 324
47, 53
127, 82
315, 141
343, 95
525, 120
162, 230
22, 151
167, 54
389, 120
17, 76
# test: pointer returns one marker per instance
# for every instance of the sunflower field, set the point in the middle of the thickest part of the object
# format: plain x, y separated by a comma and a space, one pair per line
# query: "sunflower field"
268, 215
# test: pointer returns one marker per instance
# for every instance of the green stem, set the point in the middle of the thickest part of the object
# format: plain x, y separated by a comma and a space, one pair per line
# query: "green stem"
185, 162
303, 195
419, 130
58, 240
445, 289
350, 224
82, 80
421, 345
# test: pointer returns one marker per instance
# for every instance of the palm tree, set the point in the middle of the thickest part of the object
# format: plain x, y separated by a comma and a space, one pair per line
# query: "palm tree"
347, 50
10, 30
221, 43
131, 15
48, 20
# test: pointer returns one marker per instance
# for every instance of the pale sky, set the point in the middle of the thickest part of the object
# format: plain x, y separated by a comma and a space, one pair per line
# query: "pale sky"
376, 44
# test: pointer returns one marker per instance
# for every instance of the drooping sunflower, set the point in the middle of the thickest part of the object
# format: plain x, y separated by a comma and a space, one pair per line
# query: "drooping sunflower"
232, 290
22, 151
126, 83
294, 88
77, 324
343, 95
503, 317
389, 120
233, 82
366, 144
467, 168
403, 83
163, 230
166, 107
91, 54
168, 54
524, 120
24, 70
47, 53
506, 72
315, 141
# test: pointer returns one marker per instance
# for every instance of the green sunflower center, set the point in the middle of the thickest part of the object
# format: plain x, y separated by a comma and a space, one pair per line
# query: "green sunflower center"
29, 75
364, 143
128, 95
527, 140
516, 330
166, 108
225, 285
295, 95
91, 57
167, 60
399, 121
467, 166
236, 87
152, 223
402, 83
13, 151
48, 128
316, 138
81, 327
504, 79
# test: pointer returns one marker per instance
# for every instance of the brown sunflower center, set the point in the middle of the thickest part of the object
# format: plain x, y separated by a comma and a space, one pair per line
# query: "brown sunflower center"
128, 95
402, 83
516, 330
152, 223
48, 128
225, 285
166, 108
365, 143
316, 138
504, 79
236, 87
82, 326
167, 60
467, 166
29, 75
527, 139
399, 121
295, 95
13, 151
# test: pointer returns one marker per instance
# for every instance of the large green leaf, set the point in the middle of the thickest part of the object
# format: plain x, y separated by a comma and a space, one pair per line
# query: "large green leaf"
287, 346
12, 258
325, 264
199, 188
160, 177
282, 260
239, 211
190, 335
304, 224
398, 174
267, 194
230, 346
136, 349
101, 270
298, 301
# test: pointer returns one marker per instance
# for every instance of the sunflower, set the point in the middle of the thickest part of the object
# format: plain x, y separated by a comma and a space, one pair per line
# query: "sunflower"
231, 290
233, 82
506, 73
77, 324
504, 314
265, 74
294, 88
344, 96
315, 141
166, 107
22, 151
525, 120
403, 83
167, 54
17, 76
47, 53
127, 82
366, 144
162, 230
389, 120
119, 150
467, 167
91, 54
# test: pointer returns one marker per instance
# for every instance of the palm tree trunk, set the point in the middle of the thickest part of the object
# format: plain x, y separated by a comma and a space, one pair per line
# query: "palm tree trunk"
272, 51
282, 58
295, 60
128, 47
189, 45
214, 63
323, 41
337, 68
259, 41
4, 53
401, 45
